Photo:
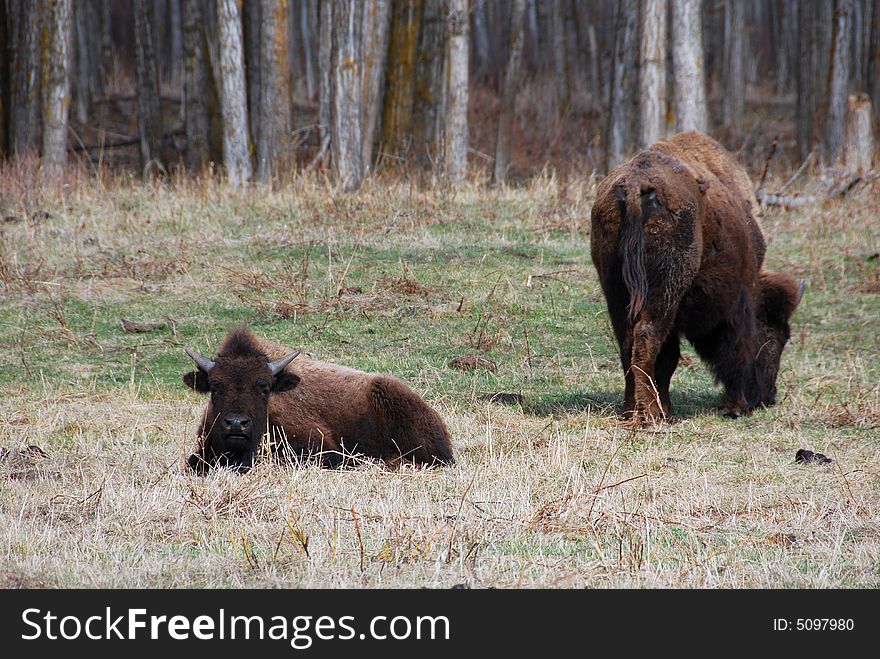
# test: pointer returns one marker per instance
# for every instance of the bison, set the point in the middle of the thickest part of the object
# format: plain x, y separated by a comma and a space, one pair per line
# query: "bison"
678, 250
308, 408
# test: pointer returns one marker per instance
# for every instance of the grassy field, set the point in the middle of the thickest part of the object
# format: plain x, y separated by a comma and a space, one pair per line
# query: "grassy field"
553, 491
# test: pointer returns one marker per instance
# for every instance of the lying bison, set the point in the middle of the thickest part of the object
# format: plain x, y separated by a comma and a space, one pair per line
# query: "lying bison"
308, 407
678, 249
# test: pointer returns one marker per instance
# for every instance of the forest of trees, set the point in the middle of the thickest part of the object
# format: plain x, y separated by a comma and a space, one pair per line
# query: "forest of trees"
266, 89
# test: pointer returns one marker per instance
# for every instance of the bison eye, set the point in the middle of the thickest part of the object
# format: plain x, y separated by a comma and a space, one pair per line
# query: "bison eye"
264, 388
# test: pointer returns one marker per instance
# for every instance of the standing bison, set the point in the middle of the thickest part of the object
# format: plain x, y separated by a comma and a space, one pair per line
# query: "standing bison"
678, 249
308, 407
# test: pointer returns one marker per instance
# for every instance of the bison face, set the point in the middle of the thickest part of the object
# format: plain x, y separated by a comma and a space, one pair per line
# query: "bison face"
779, 297
238, 415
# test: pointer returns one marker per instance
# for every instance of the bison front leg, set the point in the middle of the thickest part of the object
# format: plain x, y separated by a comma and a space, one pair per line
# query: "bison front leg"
649, 337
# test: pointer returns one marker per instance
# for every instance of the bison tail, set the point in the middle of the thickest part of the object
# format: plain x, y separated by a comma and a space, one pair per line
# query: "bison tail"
632, 247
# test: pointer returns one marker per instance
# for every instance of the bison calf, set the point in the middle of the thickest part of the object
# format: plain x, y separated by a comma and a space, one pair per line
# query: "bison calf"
678, 250
308, 407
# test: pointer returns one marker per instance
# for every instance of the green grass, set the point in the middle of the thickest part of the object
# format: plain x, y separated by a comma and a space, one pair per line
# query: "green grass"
557, 492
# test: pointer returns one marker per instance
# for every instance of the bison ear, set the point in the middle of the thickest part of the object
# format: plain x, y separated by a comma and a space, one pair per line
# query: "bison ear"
197, 381
285, 381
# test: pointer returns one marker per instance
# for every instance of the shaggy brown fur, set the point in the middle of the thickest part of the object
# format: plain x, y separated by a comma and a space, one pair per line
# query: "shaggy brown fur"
311, 408
677, 245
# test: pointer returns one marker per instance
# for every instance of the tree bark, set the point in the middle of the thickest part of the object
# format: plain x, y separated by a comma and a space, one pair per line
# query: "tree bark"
400, 76
838, 81
149, 110
560, 62
273, 126
508, 95
325, 50
347, 84
456, 127
687, 62
196, 85
377, 16
623, 110
4, 82
652, 72
24, 77
429, 104
251, 24
57, 22
308, 24
236, 155
734, 71
83, 80
858, 149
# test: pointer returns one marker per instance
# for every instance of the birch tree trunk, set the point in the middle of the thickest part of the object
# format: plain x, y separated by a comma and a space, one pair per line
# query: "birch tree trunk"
687, 62
24, 76
377, 15
149, 110
57, 23
838, 81
347, 85
623, 110
456, 128
734, 71
652, 72
236, 155
508, 94
273, 126
196, 87
400, 76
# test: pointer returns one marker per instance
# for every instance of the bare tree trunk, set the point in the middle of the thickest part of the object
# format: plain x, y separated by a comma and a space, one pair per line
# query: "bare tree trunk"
196, 85
456, 129
24, 78
176, 37
623, 111
325, 50
347, 84
308, 23
82, 87
872, 75
55, 42
560, 63
838, 81
859, 146
377, 16
4, 82
429, 105
106, 67
508, 96
236, 155
652, 72
687, 61
482, 52
806, 88
273, 126
734, 71
250, 24
149, 110
400, 76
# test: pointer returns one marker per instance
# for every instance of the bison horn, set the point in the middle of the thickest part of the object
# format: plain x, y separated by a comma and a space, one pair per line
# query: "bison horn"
801, 290
278, 365
202, 362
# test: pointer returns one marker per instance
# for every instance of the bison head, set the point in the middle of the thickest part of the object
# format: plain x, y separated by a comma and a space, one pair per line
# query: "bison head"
779, 296
240, 381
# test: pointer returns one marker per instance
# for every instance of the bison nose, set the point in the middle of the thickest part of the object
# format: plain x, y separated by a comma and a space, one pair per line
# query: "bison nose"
236, 423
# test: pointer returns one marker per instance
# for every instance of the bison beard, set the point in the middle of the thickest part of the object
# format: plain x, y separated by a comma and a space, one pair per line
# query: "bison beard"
307, 408
678, 250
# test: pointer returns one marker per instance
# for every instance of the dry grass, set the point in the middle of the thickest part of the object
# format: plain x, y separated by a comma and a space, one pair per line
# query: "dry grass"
556, 492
